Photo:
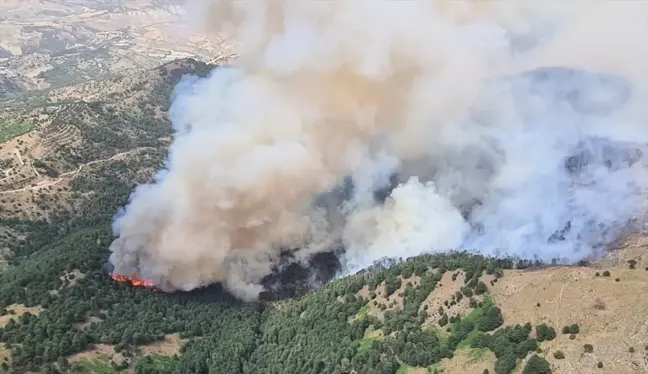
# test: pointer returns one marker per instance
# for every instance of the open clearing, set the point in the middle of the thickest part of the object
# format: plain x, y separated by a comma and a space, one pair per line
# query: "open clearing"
610, 314
17, 310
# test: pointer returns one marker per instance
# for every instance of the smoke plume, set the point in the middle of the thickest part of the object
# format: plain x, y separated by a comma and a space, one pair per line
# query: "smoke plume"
376, 129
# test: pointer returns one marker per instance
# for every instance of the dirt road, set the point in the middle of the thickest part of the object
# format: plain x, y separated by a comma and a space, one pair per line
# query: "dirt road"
71, 174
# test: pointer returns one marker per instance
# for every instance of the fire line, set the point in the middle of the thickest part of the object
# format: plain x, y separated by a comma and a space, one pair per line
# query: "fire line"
133, 281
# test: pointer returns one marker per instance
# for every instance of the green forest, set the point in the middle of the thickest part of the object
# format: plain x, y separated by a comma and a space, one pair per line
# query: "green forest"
319, 332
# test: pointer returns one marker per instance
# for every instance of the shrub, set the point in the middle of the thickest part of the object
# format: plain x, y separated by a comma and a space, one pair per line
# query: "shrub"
599, 365
559, 355
480, 288
606, 273
505, 363
588, 348
574, 329
491, 319
537, 365
599, 304
544, 332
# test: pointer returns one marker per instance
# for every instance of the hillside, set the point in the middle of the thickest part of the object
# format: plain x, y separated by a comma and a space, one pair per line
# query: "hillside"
49, 44
55, 142
430, 314
70, 157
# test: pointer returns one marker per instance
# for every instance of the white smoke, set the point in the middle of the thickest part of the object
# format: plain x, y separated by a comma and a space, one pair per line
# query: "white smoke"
424, 89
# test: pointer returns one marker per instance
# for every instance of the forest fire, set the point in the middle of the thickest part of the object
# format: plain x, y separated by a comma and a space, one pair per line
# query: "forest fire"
133, 281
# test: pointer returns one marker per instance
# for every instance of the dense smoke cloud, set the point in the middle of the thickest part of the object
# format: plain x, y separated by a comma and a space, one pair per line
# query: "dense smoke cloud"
422, 107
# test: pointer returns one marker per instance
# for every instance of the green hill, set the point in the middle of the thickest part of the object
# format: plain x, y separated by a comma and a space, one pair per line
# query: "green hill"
375, 322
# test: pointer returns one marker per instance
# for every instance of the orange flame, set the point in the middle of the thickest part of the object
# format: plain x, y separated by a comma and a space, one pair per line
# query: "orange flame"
132, 280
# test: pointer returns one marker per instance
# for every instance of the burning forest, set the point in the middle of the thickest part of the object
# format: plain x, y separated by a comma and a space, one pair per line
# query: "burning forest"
350, 132
132, 281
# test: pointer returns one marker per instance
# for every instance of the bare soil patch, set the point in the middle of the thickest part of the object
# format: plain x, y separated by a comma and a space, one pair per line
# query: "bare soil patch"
73, 277
87, 323
610, 314
391, 302
469, 360
5, 354
169, 347
633, 249
445, 290
98, 351
17, 310
412, 370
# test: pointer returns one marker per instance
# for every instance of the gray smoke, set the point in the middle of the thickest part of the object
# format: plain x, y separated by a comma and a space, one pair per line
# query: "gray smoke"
497, 127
